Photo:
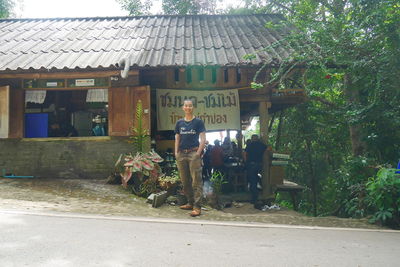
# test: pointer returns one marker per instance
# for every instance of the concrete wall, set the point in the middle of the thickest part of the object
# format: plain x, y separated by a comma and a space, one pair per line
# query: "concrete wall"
62, 158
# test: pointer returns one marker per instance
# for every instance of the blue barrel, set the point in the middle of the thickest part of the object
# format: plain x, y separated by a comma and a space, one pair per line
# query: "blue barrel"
36, 125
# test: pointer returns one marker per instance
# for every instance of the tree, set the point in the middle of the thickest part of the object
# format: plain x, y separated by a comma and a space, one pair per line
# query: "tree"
171, 7
189, 7
349, 51
136, 7
6, 7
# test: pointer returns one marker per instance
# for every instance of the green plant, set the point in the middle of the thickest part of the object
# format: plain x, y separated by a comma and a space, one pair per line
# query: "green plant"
217, 180
350, 187
168, 181
140, 134
144, 164
146, 188
384, 196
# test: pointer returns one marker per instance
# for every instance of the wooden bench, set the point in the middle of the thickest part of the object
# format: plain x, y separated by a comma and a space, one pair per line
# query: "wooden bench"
292, 188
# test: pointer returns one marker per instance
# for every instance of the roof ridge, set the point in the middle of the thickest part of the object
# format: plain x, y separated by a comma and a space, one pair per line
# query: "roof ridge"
140, 17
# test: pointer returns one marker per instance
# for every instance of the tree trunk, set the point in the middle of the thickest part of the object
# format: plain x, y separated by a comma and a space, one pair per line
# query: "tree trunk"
313, 177
358, 147
279, 132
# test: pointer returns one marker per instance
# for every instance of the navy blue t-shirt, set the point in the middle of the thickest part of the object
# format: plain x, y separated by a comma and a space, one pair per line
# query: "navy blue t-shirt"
255, 151
189, 132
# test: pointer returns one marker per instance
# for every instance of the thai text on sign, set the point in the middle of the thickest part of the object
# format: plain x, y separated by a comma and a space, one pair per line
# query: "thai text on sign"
219, 109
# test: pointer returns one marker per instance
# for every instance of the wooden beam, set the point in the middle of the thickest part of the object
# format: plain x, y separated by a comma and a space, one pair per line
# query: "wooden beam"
67, 88
253, 98
266, 180
64, 75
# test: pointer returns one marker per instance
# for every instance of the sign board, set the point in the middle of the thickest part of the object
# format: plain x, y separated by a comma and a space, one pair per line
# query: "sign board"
84, 82
219, 109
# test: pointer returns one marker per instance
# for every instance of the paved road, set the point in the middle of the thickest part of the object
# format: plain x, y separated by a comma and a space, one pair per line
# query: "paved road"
56, 239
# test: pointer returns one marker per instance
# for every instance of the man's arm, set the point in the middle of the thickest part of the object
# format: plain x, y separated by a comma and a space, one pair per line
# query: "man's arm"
177, 140
202, 143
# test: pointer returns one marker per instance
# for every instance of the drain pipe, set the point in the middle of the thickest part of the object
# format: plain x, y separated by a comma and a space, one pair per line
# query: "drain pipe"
126, 62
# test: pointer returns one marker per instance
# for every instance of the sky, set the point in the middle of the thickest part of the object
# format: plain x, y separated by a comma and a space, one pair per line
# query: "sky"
77, 8
68, 8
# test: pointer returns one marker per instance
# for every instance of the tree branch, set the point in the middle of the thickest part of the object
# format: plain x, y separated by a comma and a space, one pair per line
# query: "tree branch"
323, 101
282, 6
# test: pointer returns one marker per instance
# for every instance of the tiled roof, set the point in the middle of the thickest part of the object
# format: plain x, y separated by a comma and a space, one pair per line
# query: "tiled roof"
149, 41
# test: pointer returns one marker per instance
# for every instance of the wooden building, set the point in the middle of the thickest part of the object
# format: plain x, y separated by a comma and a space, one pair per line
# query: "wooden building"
88, 72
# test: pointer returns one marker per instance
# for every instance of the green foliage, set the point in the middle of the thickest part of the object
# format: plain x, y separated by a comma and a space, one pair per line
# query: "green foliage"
350, 186
255, 85
217, 180
169, 181
249, 56
146, 188
384, 196
6, 7
170, 7
349, 56
189, 7
136, 7
140, 134
283, 200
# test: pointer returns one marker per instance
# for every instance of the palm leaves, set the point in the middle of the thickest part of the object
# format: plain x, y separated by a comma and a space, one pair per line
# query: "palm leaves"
140, 134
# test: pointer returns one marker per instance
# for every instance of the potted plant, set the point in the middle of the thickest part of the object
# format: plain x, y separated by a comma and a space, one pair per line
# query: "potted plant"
143, 165
217, 180
170, 182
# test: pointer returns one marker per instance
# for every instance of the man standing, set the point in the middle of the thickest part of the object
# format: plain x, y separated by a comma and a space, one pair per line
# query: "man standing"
253, 157
188, 151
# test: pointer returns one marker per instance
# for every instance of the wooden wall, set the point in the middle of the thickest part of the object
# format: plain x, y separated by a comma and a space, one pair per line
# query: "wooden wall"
230, 77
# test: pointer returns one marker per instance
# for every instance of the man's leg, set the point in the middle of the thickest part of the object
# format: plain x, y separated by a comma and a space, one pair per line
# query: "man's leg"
182, 162
252, 176
197, 181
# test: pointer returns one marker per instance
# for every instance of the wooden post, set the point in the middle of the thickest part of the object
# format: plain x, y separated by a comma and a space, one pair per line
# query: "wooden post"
265, 180
4, 111
239, 139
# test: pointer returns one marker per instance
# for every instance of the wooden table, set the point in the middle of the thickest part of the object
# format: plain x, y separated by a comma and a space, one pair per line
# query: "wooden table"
292, 188
236, 175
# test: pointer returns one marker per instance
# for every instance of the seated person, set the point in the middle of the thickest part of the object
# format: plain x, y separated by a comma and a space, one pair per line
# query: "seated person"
98, 130
69, 130
54, 130
66, 130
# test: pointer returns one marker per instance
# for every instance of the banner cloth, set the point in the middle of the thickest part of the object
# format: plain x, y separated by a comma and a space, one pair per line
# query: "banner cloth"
219, 109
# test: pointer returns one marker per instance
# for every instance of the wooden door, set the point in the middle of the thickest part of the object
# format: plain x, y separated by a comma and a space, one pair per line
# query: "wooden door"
4, 111
17, 111
122, 106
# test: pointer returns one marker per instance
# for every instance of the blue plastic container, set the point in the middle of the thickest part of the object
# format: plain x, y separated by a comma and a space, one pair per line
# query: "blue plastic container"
36, 125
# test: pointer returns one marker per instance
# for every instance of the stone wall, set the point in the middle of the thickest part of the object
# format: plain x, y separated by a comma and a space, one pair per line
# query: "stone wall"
92, 157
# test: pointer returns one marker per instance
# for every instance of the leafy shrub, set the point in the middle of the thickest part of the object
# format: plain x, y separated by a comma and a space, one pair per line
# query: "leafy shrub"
350, 187
384, 197
217, 180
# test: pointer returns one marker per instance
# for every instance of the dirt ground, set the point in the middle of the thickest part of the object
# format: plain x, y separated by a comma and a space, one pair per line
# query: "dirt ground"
97, 197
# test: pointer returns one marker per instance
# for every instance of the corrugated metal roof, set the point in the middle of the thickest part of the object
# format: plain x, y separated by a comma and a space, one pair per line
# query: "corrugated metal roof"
149, 41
